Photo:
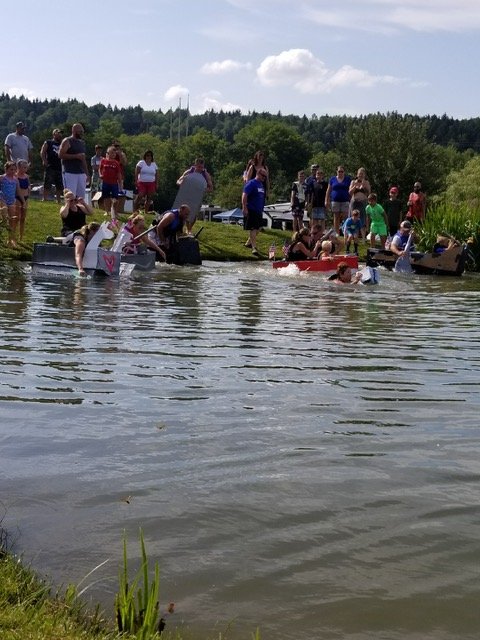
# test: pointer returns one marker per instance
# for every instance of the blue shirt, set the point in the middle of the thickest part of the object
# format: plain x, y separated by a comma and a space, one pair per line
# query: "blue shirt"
255, 190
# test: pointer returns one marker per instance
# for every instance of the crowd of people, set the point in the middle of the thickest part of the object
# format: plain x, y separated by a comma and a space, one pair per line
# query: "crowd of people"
352, 205
348, 203
67, 174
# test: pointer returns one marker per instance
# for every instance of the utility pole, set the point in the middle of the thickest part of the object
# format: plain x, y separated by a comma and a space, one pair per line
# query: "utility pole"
179, 117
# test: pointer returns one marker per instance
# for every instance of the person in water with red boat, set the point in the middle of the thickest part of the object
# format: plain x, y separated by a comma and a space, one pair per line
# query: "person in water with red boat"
344, 275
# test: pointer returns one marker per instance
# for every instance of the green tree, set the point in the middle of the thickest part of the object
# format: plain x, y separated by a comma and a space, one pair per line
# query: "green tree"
395, 150
285, 150
463, 187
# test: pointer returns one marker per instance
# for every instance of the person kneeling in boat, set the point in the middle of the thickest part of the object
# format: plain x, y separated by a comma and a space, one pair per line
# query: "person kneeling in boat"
171, 224
80, 239
344, 275
136, 226
300, 246
73, 213
400, 239
444, 243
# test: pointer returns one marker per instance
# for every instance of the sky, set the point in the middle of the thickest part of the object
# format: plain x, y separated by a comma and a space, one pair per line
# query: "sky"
290, 56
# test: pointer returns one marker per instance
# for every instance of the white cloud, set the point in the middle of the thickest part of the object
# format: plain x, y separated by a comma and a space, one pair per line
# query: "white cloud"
212, 100
225, 66
437, 16
389, 16
297, 67
174, 93
300, 69
22, 91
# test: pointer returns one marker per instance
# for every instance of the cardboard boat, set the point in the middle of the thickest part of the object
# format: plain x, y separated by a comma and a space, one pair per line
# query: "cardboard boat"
50, 257
324, 266
449, 263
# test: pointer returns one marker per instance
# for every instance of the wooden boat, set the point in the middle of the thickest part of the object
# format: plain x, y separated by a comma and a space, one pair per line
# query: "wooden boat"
449, 263
59, 259
324, 266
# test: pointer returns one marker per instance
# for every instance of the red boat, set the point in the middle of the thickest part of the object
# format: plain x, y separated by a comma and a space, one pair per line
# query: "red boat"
324, 265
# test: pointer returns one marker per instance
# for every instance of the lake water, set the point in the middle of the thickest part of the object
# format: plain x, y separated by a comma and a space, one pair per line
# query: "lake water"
302, 458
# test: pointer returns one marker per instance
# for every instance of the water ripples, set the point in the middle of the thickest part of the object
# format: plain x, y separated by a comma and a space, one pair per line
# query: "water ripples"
300, 457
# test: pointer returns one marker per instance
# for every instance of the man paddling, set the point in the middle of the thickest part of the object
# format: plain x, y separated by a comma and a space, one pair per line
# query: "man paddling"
400, 239
171, 223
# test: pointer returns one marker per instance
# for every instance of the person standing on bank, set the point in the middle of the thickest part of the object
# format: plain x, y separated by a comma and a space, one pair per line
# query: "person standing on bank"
316, 200
72, 153
359, 191
298, 195
53, 165
96, 183
417, 204
18, 146
338, 198
197, 167
146, 180
253, 202
111, 176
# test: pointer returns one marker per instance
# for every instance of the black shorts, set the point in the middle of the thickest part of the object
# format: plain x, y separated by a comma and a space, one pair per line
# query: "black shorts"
53, 176
253, 220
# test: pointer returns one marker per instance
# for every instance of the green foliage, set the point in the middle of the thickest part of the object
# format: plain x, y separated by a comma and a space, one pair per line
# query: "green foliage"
395, 151
463, 186
460, 222
285, 150
136, 603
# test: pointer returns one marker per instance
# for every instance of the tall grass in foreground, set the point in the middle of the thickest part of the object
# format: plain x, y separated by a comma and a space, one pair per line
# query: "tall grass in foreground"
31, 610
136, 603
461, 222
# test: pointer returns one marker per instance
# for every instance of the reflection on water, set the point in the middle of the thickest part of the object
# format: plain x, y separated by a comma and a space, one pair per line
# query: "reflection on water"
300, 457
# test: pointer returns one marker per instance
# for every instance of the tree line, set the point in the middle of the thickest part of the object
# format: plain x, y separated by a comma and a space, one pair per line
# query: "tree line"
395, 149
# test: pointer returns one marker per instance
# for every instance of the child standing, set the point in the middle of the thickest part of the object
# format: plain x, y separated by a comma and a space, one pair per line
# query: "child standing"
352, 230
110, 171
393, 209
10, 190
377, 218
24, 189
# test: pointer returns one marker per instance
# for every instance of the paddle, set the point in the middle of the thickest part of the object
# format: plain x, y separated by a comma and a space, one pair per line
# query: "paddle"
402, 265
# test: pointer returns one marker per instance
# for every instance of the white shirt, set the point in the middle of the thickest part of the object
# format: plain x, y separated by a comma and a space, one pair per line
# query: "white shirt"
147, 171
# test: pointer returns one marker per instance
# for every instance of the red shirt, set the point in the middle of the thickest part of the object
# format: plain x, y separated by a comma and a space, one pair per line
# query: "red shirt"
110, 171
417, 205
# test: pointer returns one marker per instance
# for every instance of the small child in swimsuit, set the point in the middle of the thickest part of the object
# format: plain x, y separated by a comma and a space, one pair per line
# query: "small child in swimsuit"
24, 188
10, 190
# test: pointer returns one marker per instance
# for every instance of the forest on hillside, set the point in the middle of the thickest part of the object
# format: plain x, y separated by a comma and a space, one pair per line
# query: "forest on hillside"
394, 148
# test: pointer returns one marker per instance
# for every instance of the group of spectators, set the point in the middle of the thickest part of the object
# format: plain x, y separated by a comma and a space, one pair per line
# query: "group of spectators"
341, 195
67, 169
347, 202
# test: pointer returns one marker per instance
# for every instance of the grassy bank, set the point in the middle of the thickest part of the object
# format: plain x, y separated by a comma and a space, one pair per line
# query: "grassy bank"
217, 241
226, 241
29, 610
